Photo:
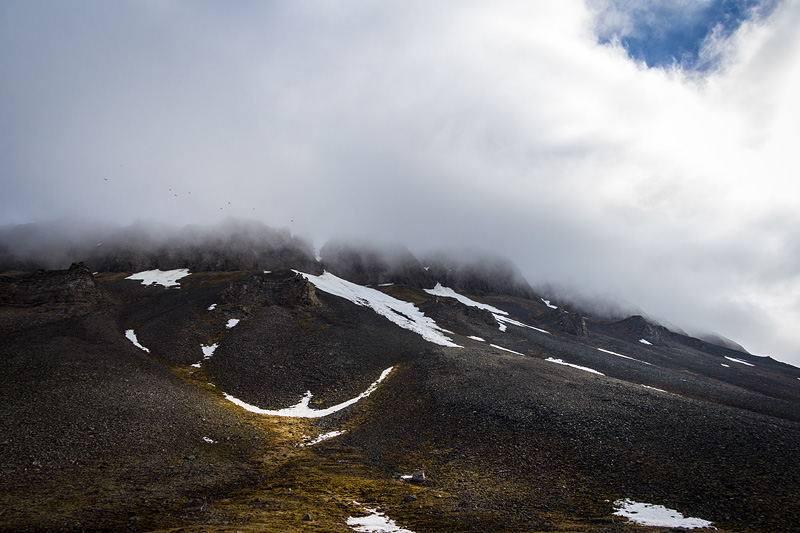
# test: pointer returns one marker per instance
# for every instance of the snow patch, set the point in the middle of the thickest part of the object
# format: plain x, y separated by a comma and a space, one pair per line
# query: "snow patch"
653, 388
739, 361
548, 304
232, 322
584, 368
375, 522
625, 356
211, 307
165, 278
447, 292
647, 514
131, 336
308, 441
208, 351
728, 366
209, 441
505, 349
645, 341
473, 337
301, 409
195, 365
404, 314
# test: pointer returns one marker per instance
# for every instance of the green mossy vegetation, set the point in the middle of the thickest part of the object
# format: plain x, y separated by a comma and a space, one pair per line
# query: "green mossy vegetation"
330, 482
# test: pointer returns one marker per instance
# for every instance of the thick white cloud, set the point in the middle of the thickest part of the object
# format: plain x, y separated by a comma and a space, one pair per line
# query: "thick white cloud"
501, 124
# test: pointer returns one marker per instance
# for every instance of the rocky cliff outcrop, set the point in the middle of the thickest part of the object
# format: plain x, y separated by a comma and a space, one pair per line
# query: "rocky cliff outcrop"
638, 326
276, 288
73, 290
566, 322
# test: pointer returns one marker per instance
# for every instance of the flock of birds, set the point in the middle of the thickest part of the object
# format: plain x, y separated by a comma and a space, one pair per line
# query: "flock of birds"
189, 192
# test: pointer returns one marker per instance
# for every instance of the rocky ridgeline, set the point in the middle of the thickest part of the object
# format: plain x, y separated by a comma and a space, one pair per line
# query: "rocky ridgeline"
478, 273
72, 291
638, 326
368, 264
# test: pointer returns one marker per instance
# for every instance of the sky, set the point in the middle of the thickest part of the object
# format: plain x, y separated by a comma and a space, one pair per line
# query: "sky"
640, 151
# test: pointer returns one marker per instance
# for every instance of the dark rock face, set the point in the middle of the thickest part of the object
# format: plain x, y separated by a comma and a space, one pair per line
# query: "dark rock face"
637, 326
478, 274
73, 290
282, 288
567, 322
367, 264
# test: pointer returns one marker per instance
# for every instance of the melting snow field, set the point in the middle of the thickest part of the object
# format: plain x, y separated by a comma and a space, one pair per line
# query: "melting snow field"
646, 514
165, 278
739, 361
438, 290
131, 336
584, 368
302, 410
404, 314
499, 315
375, 522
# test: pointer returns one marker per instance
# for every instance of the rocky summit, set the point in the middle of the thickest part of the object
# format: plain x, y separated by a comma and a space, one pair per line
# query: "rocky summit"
240, 384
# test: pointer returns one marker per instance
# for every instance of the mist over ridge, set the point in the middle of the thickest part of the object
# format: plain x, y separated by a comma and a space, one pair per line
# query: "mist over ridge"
240, 244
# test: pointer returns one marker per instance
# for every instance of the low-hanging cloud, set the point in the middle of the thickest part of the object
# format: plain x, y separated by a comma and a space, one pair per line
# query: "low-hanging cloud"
512, 126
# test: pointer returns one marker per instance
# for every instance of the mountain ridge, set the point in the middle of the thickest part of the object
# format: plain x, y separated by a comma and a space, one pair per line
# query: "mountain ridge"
119, 413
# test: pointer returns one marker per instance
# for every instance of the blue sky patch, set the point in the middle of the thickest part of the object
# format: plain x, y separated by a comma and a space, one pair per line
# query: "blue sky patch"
662, 33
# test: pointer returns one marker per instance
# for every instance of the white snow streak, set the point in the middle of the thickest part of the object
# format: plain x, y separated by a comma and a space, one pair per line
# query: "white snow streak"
625, 356
473, 337
131, 336
505, 349
645, 341
211, 307
404, 314
739, 361
447, 292
502, 320
584, 368
232, 322
308, 441
302, 410
647, 514
166, 278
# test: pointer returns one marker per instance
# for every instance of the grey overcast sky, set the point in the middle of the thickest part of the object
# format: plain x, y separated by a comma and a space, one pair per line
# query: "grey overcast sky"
645, 151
